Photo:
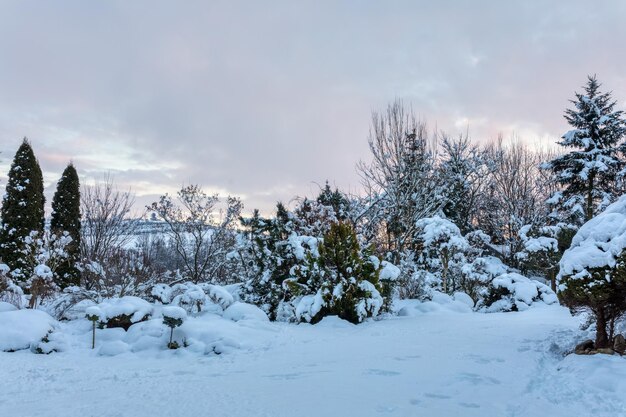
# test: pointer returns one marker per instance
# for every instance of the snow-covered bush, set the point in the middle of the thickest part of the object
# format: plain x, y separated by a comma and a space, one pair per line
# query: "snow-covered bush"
345, 278
41, 284
477, 275
189, 296
123, 312
24, 329
9, 291
71, 303
592, 275
443, 248
542, 249
514, 292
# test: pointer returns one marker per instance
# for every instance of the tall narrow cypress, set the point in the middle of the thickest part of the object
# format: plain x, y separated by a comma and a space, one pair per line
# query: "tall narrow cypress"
22, 210
66, 218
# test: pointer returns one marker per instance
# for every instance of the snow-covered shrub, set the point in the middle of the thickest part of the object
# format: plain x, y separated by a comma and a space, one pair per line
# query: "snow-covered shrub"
414, 281
173, 317
542, 249
41, 285
219, 295
24, 329
478, 274
592, 275
124, 312
242, 311
443, 248
9, 291
277, 254
161, 293
189, 296
71, 303
514, 292
347, 280
54, 341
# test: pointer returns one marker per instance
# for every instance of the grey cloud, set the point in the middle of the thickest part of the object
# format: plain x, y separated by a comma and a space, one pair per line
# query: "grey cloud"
266, 99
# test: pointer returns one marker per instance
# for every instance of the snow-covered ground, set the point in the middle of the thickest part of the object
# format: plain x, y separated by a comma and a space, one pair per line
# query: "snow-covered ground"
430, 362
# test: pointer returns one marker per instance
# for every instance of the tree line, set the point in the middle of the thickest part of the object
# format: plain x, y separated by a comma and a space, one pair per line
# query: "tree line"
436, 212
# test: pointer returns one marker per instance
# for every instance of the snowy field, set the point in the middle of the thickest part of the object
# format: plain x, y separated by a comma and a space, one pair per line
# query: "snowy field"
430, 362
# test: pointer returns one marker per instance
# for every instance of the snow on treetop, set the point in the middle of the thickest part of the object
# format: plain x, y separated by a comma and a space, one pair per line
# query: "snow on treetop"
174, 312
598, 243
437, 231
389, 272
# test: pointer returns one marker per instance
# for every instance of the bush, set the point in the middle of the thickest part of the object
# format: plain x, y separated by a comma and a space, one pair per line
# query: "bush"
514, 292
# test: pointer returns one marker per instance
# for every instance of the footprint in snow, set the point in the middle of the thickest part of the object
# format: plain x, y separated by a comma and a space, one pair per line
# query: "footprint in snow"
469, 405
477, 379
437, 396
294, 375
382, 372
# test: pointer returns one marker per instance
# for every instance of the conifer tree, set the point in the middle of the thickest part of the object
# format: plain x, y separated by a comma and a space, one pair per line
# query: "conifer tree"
589, 172
66, 219
22, 210
334, 199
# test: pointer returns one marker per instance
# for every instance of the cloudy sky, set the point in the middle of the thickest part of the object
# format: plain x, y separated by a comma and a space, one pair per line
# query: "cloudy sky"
268, 99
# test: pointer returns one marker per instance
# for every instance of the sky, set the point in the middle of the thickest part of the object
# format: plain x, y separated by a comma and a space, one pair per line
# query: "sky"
266, 100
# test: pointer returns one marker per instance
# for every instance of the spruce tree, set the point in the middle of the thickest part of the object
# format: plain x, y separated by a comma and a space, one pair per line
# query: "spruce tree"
22, 210
336, 200
66, 219
589, 172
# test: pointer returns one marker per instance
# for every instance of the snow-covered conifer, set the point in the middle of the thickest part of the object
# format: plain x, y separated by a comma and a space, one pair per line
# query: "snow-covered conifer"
22, 210
66, 219
590, 171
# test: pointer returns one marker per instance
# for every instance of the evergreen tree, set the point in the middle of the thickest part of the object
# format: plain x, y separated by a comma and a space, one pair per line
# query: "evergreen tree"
22, 210
463, 171
347, 277
589, 173
336, 200
66, 219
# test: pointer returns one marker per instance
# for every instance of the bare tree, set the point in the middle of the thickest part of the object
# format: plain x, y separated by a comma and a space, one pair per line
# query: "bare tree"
107, 229
514, 196
400, 180
201, 241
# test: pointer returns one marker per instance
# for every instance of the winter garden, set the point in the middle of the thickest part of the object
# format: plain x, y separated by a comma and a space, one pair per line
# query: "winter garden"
465, 279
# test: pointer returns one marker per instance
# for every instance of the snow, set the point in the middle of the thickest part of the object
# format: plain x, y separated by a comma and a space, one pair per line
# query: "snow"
174, 312
4, 306
134, 307
22, 328
95, 311
524, 293
242, 311
597, 243
389, 272
113, 348
220, 296
438, 363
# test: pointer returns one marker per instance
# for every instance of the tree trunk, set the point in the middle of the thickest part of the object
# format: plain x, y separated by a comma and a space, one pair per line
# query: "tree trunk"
552, 276
602, 338
589, 211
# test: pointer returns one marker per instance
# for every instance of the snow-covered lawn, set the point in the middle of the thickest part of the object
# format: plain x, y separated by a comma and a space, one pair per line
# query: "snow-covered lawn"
437, 363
